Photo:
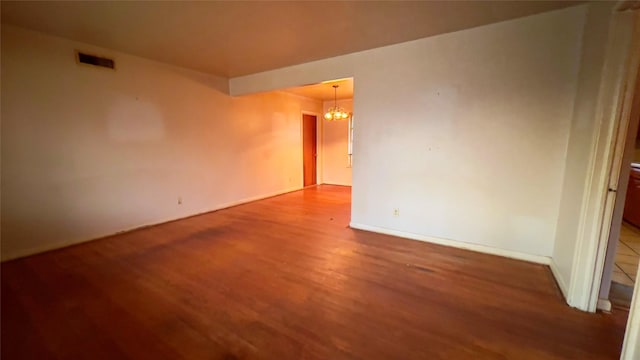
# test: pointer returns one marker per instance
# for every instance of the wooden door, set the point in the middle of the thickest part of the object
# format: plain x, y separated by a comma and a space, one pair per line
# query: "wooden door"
309, 147
632, 202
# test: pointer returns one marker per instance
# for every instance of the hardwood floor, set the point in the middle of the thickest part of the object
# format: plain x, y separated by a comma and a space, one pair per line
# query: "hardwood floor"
285, 278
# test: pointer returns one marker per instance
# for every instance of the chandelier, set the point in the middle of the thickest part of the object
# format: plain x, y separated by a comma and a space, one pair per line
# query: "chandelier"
336, 113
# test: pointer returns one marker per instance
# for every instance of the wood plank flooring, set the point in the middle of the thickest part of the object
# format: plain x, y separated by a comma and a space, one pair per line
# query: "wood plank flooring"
285, 278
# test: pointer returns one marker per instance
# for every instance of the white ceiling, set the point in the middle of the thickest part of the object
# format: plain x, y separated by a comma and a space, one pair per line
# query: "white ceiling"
238, 38
324, 91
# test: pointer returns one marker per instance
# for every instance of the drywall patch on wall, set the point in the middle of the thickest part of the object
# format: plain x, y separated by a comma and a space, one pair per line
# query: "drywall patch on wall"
132, 120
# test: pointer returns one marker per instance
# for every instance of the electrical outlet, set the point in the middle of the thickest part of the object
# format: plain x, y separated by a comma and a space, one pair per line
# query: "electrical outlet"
396, 212
180, 200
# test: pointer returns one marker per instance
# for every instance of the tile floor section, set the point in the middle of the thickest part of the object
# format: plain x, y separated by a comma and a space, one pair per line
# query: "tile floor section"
627, 256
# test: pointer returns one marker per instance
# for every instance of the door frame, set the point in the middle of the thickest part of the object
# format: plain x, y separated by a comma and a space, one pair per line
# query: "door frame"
621, 64
318, 145
619, 179
631, 343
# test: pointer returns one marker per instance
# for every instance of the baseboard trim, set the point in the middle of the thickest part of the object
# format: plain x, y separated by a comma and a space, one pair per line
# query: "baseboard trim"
604, 305
336, 184
538, 259
559, 280
248, 200
63, 244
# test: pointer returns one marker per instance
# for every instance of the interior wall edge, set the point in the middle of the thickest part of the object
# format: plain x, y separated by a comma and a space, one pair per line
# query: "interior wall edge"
293, 76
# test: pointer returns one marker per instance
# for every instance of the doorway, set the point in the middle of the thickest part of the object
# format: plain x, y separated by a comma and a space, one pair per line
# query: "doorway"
623, 244
309, 149
623, 252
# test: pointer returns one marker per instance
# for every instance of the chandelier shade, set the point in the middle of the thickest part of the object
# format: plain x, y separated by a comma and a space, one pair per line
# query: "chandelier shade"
336, 112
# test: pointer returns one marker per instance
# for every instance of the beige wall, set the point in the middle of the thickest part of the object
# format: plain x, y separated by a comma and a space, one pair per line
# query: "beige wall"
465, 133
335, 142
88, 152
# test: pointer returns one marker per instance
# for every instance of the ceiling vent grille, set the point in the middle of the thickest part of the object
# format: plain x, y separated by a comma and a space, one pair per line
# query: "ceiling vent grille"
88, 59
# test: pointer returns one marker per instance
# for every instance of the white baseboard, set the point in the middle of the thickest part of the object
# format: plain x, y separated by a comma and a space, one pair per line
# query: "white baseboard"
335, 183
604, 305
49, 246
556, 274
61, 244
538, 259
248, 200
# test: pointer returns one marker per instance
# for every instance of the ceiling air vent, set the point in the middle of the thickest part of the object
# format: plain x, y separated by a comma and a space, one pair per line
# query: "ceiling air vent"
96, 60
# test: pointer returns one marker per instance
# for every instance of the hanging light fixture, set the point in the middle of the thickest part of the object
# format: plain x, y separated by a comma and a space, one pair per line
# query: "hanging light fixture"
336, 113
